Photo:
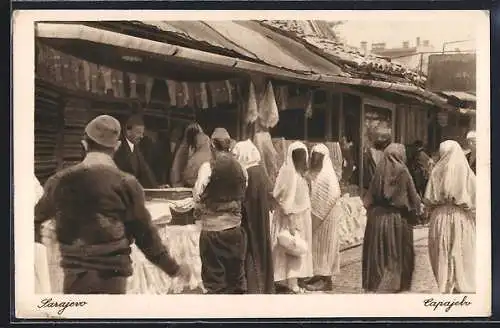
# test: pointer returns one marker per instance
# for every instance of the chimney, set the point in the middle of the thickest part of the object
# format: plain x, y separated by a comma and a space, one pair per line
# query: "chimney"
364, 47
418, 41
406, 44
426, 43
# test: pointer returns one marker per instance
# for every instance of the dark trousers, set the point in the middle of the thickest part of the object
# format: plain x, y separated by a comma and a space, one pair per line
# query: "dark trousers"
93, 282
222, 261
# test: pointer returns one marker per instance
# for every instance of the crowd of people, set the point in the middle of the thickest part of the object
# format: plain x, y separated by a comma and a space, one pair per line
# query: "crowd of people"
257, 236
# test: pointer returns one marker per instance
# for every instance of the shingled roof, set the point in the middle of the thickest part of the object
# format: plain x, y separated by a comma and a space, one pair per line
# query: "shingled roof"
318, 37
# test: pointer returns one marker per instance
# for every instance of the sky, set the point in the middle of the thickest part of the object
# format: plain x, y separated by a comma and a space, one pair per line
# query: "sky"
395, 32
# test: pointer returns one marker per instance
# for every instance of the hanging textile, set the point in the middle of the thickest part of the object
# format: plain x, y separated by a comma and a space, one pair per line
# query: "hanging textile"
133, 85
148, 88
172, 92
213, 93
108, 80
184, 94
204, 95
309, 107
252, 107
268, 110
87, 74
282, 97
230, 91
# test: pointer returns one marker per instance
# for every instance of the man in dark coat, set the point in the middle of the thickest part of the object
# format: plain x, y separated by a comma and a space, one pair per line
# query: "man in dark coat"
99, 211
129, 157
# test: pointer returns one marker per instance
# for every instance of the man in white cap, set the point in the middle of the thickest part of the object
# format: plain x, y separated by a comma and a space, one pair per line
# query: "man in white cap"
99, 211
219, 192
471, 155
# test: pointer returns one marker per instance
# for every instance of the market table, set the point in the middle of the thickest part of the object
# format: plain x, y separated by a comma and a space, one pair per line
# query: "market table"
183, 243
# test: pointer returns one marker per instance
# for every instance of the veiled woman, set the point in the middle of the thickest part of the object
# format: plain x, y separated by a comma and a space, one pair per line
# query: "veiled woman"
202, 153
255, 221
325, 191
292, 212
451, 196
183, 153
392, 205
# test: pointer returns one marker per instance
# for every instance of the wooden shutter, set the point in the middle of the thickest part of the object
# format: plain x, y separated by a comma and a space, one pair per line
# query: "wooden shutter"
76, 116
47, 118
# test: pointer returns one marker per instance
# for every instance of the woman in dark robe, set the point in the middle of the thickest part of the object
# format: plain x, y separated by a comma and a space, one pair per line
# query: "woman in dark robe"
255, 221
372, 156
183, 153
392, 204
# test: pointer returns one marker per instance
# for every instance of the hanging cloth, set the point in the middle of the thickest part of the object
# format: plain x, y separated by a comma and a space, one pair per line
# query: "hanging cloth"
149, 87
252, 107
108, 80
204, 95
309, 107
268, 110
172, 92
87, 74
185, 94
229, 88
133, 85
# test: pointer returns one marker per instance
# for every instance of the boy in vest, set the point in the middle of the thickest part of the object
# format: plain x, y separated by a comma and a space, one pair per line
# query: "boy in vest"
218, 192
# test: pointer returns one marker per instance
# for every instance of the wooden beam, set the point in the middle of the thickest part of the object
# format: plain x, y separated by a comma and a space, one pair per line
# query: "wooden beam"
362, 142
341, 116
328, 115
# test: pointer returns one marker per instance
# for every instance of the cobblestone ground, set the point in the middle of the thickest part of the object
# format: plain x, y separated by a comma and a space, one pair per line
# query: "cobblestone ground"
348, 281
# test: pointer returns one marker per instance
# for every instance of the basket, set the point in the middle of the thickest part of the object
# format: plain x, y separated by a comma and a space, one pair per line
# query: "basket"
293, 245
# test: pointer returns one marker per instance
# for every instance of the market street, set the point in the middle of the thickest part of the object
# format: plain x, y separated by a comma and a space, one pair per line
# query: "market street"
349, 278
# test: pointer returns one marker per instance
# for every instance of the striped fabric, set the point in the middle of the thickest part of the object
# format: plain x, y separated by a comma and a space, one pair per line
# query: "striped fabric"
326, 246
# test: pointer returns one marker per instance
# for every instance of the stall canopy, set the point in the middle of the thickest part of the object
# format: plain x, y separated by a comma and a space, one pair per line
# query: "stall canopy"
223, 47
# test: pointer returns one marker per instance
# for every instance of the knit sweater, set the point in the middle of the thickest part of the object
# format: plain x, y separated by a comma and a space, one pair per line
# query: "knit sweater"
99, 211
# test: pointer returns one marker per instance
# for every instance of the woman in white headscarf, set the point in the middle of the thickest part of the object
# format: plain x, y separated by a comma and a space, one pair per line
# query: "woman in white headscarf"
451, 196
42, 277
255, 220
325, 191
292, 213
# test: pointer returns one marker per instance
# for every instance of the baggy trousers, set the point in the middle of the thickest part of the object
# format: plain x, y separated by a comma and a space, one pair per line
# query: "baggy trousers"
222, 261
93, 282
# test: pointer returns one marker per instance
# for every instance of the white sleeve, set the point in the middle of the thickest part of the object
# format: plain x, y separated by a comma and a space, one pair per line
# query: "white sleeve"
202, 181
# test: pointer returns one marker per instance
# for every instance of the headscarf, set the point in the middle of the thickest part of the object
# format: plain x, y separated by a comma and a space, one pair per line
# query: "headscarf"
262, 140
392, 184
201, 155
325, 189
285, 188
246, 153
452, 179
181, 156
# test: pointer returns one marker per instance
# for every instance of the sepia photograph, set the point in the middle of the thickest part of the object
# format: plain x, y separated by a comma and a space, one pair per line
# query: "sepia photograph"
209, 164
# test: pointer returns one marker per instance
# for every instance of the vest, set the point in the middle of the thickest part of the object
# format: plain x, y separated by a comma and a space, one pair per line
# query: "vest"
223, 196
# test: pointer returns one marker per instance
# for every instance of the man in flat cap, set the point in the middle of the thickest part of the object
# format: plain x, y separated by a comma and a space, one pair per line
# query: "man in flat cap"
129, 157
99, 211
218, 192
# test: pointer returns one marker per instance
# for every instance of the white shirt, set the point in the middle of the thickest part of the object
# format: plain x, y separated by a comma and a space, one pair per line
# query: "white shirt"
131, 145
204, 174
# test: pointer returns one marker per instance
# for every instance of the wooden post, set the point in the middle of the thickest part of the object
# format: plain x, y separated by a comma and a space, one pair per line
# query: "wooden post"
362, 141
341, 115
328, 116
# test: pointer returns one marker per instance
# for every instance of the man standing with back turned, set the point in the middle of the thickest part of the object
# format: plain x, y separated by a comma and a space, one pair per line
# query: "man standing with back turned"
219, 191
99, 211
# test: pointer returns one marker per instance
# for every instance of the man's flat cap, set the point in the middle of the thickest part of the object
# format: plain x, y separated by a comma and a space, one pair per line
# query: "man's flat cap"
104, 130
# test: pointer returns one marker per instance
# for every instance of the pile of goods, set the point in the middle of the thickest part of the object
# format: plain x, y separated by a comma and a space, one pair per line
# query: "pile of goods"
351, 216
350, 58
183, 244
